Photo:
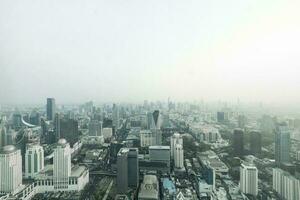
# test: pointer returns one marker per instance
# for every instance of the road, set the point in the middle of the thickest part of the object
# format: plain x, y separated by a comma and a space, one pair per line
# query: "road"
108, 190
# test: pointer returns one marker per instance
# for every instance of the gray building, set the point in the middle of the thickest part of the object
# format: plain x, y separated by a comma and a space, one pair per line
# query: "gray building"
115, 116
238, 142
127, 169
255, 142
133, 168
95, 128
50, 108
282, 144
160, 153
122, 171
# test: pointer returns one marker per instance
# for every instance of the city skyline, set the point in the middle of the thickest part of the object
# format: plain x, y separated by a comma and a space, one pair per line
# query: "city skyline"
128, 52
149, 100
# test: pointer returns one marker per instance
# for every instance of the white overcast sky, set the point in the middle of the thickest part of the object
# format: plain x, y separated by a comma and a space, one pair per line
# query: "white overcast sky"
131, 50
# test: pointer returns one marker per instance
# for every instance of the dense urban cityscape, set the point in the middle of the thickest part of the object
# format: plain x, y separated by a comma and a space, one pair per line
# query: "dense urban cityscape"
153, 150
149, 100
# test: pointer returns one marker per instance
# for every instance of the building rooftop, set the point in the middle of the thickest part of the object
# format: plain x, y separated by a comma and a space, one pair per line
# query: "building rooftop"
149, 188
160, 147
8, 149
62, 142
78, 170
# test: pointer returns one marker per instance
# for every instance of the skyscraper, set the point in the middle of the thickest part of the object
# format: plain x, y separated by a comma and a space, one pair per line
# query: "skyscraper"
238, 142
2, 135
248, 179
57, 125
178, 156
35, 118
157, 119
122, 171
175, 139
34, 160
17, 121
50, 108
255, 142
286, 185
115, 116
282, 144
95, 128
149, 137
133, 168
69, 130
158, 136
10, 169
61, 165
242, 121
209, 175
220, 117
127, 169
150, 121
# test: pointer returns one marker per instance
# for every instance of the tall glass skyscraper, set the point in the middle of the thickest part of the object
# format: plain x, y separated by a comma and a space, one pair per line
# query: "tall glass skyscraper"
50, 108
282, 144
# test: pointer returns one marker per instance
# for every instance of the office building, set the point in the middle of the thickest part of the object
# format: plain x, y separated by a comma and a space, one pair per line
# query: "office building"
255, 143
178, 156
57, 129
34, 160
54, 178
282, 144
95, 128
51, 109
209, 134
220, 117
157, 119
158, 136
209, 175
286, 185
17, 121
2, 135
242, 120
238, 142
127, 169
298, 155
175, 139
147, 138
133, 168
61, 165
69, 130
10, 169
115, 116
249, 179
150, 121
107, 133
10, 137
160, 154
35, 118
122, 171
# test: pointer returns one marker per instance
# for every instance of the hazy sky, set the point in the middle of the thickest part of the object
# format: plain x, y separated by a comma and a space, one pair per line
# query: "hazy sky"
131, 50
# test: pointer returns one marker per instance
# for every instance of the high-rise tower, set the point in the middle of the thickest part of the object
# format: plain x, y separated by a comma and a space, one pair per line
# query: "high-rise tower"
10, 169
249, 179
50, 108
34, 160
238, 142
282, 144
61, 165
115, 116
